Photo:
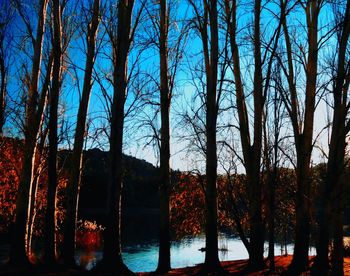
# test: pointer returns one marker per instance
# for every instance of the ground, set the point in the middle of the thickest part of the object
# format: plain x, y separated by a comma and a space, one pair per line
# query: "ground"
237, 267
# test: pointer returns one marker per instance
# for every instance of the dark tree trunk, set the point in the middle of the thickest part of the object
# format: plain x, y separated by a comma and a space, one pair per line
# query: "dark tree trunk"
256, 257
211, 63
18, 255
112, 258
303, 137
337, 260
73, 185
302, 227
332, 199
2, 92
164, 186
251, 151
50, 216
271, 222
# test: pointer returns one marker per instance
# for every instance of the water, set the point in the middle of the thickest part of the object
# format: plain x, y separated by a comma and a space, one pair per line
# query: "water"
144, 257
140, 247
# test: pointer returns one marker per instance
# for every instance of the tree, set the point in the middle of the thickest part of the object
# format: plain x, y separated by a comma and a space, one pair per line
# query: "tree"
252, 148
302, 124
272, 142
165, 98
50, 216
5, 20
73, 186
31, 126
207, 24
332, 197
120, 40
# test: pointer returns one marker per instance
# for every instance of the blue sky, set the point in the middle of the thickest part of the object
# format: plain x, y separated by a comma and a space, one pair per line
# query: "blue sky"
137, 134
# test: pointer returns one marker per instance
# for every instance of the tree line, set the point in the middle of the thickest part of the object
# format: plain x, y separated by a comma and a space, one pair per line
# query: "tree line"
259, 71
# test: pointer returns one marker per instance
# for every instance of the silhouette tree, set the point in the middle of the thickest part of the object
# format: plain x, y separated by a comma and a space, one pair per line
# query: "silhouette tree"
73, 185
120, 40
164, 185
252, 148
206, 20
6, 15
330, 225
302, 123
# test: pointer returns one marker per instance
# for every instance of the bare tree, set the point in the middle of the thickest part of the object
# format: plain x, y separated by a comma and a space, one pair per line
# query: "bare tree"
302, 124
31, 127
272, 141
331, 225
165, 98
252, 148
73, 185
5, 20
50, 216
206, 21
121, 37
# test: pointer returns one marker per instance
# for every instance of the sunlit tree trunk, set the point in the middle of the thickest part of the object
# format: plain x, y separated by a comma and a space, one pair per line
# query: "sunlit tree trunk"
164, 186
50, 216
37, 170
73, 185
17, 253
38, 151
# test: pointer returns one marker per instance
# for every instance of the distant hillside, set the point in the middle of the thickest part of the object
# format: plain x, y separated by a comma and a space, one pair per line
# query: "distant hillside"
140, 186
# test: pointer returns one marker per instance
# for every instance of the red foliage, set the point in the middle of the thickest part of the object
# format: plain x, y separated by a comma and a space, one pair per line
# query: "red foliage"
11, 155
187, 206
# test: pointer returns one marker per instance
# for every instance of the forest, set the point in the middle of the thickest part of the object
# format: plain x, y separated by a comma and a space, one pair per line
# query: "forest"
220, 117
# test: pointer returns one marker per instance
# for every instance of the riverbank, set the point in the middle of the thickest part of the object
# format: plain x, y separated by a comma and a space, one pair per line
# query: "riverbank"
237, 267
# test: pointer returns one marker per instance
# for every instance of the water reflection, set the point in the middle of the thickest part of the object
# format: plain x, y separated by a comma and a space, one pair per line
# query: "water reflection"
144, 257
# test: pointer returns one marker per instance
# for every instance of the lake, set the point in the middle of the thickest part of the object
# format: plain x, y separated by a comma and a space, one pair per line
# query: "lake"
143, 257
140, 247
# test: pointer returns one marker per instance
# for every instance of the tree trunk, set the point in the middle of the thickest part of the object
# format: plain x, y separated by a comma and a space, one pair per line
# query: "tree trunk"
73, 185
271, 224
112, 258
331, 215
211, 225
302, 228
337, 260
37, 169
50, 215
18, 255
164, 186
38, 151
304, 145
2, 93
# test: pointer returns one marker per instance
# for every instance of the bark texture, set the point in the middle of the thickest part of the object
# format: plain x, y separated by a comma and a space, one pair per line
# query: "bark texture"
18, 254
50, 215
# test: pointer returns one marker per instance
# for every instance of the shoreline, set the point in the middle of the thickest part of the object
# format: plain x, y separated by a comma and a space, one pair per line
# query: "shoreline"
236, 267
